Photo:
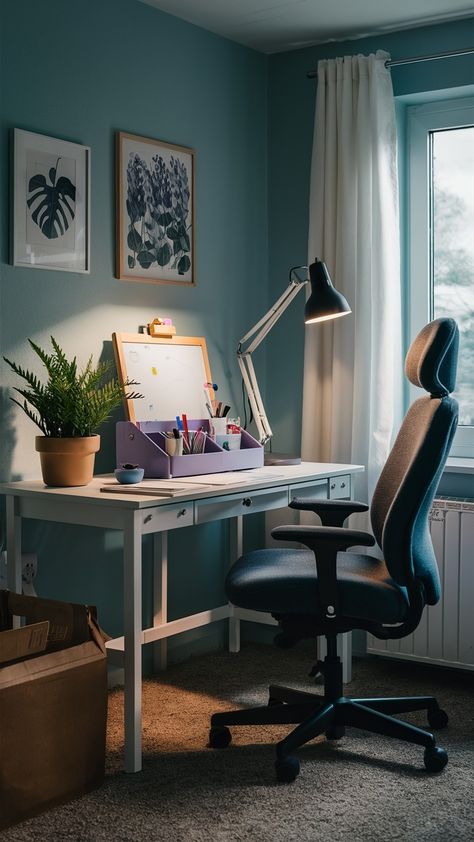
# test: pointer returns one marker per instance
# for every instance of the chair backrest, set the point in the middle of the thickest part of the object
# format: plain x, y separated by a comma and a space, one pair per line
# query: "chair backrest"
407, 485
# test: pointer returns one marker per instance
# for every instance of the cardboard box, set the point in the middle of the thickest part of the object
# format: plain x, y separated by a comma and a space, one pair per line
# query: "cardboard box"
53, 705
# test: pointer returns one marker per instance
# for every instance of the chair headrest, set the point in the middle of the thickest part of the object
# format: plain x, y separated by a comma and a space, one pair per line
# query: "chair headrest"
432, 357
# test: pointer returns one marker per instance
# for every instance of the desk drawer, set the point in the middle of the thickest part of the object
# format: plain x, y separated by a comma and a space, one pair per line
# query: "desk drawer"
243, 504
168, 517
339, 487
303, 490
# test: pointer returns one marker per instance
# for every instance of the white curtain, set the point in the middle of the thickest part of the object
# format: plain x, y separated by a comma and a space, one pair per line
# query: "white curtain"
353, 366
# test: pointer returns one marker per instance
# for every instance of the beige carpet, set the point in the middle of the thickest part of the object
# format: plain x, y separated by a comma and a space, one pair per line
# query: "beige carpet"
364, 788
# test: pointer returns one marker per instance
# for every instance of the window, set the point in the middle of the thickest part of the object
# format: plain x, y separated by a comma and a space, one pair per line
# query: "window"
441, 236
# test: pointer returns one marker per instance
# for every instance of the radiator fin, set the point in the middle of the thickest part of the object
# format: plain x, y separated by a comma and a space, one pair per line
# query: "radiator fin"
445, 634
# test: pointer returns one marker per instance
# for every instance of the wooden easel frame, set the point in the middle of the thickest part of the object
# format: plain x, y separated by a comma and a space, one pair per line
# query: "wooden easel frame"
119, 340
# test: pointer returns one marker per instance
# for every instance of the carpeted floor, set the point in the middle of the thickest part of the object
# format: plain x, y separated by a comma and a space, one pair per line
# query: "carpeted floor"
363, 788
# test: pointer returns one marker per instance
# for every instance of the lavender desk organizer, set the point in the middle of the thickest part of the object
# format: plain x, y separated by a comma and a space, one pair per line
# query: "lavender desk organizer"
143, 443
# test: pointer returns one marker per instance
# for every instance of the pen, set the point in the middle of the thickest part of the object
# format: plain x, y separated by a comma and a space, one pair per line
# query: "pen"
211, 386
208, 405
186, 431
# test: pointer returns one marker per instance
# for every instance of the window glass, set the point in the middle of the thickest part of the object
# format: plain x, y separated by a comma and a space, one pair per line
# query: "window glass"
440, 236
452, 248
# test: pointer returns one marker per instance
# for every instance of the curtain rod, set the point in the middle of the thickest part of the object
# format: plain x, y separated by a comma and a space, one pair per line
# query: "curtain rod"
311, 74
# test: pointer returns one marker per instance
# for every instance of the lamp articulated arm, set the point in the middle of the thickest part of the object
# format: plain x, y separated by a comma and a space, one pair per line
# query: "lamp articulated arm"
252, 340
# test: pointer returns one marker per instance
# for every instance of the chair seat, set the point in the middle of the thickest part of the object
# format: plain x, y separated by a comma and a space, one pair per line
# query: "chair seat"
285, 581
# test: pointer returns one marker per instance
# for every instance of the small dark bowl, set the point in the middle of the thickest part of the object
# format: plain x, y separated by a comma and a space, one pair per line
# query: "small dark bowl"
129, 476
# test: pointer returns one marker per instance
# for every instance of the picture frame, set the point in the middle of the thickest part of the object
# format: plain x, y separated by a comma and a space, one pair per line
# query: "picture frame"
51, 203
155, 211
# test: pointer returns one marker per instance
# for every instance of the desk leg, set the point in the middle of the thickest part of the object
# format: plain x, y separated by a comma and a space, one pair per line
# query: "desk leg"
13, 549
160, 596
132, 570
235, 551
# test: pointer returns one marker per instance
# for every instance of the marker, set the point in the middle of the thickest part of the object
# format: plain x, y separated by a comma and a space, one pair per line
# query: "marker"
211, 386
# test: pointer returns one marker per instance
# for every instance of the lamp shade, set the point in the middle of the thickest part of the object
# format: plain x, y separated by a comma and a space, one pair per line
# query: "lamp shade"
324, 302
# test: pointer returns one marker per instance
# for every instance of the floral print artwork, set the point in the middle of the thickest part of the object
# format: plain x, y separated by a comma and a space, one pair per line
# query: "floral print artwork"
158, 212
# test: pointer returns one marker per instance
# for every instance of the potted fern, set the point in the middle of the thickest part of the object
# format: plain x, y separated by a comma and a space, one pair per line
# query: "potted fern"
68, 408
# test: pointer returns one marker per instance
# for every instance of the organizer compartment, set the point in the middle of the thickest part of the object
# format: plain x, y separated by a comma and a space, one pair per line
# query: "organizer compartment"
143, 443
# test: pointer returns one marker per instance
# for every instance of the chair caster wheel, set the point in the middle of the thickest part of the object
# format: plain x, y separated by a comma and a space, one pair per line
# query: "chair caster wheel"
287, 769
219, 737
435, 759
335, 732
437, 718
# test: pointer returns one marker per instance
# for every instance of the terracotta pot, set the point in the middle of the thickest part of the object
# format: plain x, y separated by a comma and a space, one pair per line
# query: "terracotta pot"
67, 462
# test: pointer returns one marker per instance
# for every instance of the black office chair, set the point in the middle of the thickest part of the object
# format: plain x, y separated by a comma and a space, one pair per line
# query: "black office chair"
327, 591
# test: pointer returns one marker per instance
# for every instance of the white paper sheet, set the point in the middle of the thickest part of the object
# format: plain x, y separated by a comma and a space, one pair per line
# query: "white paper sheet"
234, 477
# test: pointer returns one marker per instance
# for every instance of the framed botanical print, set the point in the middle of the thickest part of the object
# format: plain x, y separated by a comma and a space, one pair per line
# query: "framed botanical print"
51, 203
155, 211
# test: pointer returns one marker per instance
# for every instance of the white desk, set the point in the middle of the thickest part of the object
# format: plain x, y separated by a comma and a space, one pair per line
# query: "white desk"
136, 515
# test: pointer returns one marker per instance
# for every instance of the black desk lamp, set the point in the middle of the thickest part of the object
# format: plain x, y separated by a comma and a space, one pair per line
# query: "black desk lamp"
324, 303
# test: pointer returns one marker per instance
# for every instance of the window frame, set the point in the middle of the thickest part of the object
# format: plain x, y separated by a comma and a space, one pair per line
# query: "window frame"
422, 120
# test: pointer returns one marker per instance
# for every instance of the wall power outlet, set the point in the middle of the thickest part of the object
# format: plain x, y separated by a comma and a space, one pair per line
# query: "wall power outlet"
29, 569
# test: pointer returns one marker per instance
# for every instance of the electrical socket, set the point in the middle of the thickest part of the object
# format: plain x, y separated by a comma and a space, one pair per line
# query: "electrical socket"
29, 568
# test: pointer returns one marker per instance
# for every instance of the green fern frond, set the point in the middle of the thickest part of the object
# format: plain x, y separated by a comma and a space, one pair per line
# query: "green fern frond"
45, 358
24, 406
71, 402
132, 396
59, 354
30, 378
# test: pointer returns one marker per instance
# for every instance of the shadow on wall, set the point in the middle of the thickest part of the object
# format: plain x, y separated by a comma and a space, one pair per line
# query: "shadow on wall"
105, 458
8, 436
7, 444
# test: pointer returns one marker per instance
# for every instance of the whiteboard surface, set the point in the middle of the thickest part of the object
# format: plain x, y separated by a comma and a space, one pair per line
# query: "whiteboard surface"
171, 377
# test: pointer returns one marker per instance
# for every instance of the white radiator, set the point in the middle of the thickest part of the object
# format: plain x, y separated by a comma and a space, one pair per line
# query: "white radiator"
445, 634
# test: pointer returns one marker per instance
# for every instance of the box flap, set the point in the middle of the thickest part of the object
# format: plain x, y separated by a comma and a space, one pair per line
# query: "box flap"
23, 642
49, 666
69, 624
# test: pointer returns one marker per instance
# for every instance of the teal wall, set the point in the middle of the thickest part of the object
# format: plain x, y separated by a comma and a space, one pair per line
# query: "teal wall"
84, 69
290, 132
81, 70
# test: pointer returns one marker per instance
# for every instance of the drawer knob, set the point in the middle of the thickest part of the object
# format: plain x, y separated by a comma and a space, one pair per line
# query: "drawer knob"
181, 513
333, 485
343, 484
246, 501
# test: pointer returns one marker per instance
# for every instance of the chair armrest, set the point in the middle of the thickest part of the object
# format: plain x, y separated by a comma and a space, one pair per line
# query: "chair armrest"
331, 512
325, 542
336, 537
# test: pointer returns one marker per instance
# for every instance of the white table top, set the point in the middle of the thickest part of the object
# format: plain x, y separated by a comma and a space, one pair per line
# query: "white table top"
190, 488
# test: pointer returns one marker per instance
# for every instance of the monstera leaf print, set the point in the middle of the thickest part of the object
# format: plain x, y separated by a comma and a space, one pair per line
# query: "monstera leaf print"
52, 205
